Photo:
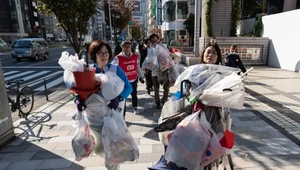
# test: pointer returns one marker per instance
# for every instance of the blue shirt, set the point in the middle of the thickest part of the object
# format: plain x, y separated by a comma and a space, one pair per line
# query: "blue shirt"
127, 86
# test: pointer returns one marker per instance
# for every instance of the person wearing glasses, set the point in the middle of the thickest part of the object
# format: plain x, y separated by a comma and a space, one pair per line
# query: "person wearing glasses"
129, 62
101, 54
154, 40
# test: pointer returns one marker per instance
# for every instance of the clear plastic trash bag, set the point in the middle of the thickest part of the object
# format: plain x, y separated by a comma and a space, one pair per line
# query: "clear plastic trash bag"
189, 141
118, 143
96, 109
150, 63
228, 92
164, 57
83, 142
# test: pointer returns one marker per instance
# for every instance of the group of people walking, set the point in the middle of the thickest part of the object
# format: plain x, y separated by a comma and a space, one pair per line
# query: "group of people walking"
126, 64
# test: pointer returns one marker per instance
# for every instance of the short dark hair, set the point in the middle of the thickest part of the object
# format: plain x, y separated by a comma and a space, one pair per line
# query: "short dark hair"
216, 47
147, 40
154, 35
96, 46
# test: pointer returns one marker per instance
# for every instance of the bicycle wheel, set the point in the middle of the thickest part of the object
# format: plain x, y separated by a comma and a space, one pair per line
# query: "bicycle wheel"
25, 100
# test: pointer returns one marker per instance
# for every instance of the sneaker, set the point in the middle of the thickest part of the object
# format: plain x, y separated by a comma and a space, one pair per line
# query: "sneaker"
135, 110
148, 91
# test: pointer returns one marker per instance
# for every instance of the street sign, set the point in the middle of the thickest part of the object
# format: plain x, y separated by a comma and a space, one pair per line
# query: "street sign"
130, 23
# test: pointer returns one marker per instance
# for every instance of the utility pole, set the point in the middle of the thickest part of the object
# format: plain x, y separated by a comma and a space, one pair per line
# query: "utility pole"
198, 4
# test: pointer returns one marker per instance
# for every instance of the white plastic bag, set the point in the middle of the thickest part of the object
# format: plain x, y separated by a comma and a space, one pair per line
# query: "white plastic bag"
118, 143
96, 109
150, 63
228, 92
164, 57
70, 62
113, 87
83, 142
189, 141
69, 79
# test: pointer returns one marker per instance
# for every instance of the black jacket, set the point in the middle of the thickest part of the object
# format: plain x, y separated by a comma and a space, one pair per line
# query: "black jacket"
233, 60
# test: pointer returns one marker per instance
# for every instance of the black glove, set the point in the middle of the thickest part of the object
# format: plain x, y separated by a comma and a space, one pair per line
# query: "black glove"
114, 103
79, 103
142, 80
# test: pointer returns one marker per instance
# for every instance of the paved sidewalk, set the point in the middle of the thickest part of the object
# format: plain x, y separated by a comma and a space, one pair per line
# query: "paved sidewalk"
266, 136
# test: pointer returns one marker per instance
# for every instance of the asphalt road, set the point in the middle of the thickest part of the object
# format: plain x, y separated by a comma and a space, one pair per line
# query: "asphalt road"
34, 73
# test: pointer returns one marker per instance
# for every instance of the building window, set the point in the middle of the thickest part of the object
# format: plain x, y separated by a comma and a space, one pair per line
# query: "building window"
169, 12
137, 6
182, 10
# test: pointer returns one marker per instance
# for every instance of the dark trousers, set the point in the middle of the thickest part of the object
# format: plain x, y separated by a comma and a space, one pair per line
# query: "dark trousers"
156, 91
134, 93
148, 79
133, 96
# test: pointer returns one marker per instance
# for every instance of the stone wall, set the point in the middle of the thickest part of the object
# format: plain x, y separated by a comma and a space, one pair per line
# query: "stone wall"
252, 50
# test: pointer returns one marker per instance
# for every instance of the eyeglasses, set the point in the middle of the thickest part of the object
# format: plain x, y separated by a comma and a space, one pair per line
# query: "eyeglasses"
102, 53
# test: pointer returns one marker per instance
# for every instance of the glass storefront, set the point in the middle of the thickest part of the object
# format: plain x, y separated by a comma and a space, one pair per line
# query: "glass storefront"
182, 10
169, 11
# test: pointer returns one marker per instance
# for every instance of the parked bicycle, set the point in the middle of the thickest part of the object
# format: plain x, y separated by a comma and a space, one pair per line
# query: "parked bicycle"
22, 98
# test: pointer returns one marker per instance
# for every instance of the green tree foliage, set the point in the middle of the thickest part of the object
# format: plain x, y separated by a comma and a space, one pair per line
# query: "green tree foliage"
257, 27
136, 31
72, 15
189, 24
235, 16
121, 11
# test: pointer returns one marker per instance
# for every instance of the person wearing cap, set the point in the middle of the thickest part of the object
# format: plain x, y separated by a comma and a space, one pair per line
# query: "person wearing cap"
129, 62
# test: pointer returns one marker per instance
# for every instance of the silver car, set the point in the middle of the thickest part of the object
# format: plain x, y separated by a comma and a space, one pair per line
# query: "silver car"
32, 48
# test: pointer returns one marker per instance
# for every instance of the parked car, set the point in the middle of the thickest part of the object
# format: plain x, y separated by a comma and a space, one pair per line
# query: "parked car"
3, 44
30, 48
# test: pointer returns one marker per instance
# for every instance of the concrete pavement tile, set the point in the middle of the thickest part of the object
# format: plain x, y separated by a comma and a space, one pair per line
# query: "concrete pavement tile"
91, 161
275, 160
15, 142
278, 141
145, 148
137, 134
3, 164
137, 141
254, 135
244, 152
158, 148
296, 167
70, 168
149, 157
42, 147
69, 154
96, 168
55, 133
145, 141
243, 163
132, 117
45, 155
63, 146
63, 123
18, 156
138, 166
249, 118
261, 123
276, 134
244, 123
273, 150
240, 129
21, 165
262, 128
15, 149
249, 143
56, 163
61, 139
295, 149
134, 128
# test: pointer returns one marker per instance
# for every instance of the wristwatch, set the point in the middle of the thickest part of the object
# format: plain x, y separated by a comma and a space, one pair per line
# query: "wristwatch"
120, 98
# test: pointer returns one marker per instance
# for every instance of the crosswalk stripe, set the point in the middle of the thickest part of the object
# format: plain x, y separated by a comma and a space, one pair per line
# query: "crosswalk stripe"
51, 84
55, 73
35, 75
18, 75
9, 73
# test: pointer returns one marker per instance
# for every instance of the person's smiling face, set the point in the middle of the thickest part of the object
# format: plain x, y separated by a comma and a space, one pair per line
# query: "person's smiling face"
102, 56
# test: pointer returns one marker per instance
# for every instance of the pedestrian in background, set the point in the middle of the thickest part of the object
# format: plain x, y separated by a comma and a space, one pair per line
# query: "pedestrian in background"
147, 72
154, 40
129, 62
234, 60
118, 49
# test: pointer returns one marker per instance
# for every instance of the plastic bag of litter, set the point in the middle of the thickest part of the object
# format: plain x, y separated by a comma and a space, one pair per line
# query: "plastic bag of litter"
118, 143
83, 142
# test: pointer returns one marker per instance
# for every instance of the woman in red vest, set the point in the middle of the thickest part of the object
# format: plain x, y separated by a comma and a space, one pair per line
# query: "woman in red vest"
129, 62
